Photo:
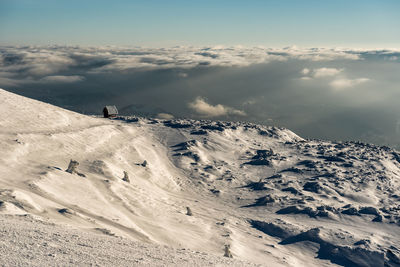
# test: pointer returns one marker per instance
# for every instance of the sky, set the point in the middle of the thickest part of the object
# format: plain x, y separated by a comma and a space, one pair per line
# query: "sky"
326, 69
160, 23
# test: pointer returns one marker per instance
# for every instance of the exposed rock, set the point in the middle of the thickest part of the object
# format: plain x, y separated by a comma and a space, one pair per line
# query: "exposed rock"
213, 127
342, 255
308, 163
291, 190
369, 210
271, 229
351, 211
314, 187
126, 177
332, 158
64, 211
227, 252
198, 132
393, 259
262, 201
262, 157
307, 211
396, 156
189, 211
257, 186
178, 125
362, 242
184, 145
378, 218
73, 164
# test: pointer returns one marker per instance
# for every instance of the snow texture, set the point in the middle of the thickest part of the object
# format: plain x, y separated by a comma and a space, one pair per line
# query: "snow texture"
262, 195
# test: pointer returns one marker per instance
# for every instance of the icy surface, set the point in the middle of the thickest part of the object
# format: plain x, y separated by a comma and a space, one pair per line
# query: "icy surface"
196, 186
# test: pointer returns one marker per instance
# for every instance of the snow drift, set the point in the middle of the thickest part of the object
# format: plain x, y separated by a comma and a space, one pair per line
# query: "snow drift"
268, 195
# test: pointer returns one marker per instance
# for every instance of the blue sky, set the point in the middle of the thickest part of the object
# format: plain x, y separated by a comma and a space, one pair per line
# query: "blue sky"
272, 23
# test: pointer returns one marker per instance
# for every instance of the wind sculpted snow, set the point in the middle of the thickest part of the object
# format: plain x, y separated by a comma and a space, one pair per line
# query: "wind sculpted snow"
268, 195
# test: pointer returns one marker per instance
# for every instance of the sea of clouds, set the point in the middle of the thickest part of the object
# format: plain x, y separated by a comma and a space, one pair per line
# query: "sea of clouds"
338, 94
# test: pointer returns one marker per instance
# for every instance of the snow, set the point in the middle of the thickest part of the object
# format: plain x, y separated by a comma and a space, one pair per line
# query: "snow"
29, 241
273, 197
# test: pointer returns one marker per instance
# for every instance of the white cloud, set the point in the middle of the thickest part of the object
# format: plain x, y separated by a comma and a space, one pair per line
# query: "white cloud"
201, 107
338, 80
305, 71
44, 61
63, 79
27, 64
319, 73
165, 116
343, 83
326, 72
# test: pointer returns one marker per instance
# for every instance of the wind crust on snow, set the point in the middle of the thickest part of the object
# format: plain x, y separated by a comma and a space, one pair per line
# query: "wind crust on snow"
230, 174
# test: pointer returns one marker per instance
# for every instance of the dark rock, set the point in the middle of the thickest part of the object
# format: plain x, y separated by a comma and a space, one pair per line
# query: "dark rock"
307, 211
396, 156
177, 125
184, 145
291, 190
262, 154
341, 255
265, 133
213, 127
258, 162
314, 187
278, 175
369, 210
261, 158
215, 191
308, 163
394, 260
271, 229
332, 158
262, 201
351, 211
378, 218
198, 132
362, 242
348, 164
322, 214
64, 211
192, 155
289, 210
257, 186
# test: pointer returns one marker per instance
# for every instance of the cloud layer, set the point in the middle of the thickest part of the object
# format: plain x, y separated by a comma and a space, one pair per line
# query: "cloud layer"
35, 63
317, 92
63, 79
342, 83
338, 77
326, 72
202, 108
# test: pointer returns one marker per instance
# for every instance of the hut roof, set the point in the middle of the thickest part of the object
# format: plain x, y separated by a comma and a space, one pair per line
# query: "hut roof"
112, 110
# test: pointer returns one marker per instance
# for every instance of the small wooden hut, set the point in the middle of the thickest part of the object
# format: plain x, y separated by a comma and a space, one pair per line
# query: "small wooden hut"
110, 111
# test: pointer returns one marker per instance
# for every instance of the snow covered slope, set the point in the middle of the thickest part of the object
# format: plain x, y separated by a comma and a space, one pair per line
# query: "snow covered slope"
272, 197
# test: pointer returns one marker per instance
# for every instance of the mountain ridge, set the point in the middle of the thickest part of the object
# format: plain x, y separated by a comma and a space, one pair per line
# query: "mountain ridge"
261, 190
